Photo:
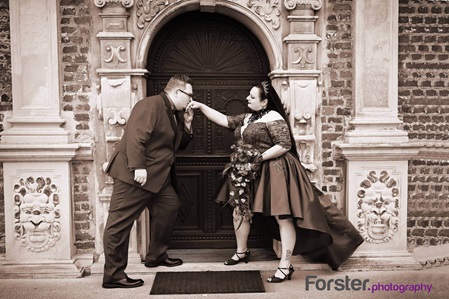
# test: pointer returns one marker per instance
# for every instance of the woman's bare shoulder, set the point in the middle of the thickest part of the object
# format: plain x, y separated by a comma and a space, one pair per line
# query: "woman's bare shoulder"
273, 116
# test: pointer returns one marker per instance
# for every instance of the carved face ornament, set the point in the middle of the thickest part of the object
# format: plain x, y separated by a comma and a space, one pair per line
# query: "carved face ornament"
378, 207
37, 214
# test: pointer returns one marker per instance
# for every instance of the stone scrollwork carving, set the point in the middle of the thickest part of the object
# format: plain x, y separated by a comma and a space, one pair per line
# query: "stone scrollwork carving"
125, 3
115, 54
118, 117
378, 207
268, 9
292, 4
304, 56
148, 9
36, 213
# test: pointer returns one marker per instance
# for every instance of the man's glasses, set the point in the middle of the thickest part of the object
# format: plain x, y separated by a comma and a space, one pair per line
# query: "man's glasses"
189, 94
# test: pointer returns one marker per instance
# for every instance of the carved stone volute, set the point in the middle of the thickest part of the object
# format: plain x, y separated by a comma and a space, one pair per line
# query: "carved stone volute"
294, 4
125, 3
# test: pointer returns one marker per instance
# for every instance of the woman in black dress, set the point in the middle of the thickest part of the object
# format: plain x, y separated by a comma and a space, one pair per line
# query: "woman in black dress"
306, 222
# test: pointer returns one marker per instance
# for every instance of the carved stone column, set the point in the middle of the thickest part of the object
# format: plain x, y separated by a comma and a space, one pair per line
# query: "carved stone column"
298, 84
36, 151
116, 97
375, 147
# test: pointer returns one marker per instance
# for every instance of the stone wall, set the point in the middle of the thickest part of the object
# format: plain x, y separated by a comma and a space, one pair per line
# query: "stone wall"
337, 96
77, 65
423, 105
424, 108
76, 34
5, 60
428, 216
423, 69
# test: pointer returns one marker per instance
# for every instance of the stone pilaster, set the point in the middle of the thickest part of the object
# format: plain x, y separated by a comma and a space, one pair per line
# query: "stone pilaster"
298, 84
36, 150
116, 97
376, 74
375, 147
35, 75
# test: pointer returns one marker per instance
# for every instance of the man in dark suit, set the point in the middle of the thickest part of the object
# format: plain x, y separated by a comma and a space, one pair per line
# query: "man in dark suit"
144, 177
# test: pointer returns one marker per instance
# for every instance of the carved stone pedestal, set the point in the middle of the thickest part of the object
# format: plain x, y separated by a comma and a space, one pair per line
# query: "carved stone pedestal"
38, 220
376, 204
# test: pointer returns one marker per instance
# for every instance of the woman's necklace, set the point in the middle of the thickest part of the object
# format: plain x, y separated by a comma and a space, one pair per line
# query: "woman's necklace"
257, 115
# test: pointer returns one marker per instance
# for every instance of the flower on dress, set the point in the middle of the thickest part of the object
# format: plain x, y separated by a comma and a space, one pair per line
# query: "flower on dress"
243, 168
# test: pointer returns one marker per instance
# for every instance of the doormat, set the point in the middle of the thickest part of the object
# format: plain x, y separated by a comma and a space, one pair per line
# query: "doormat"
207, 282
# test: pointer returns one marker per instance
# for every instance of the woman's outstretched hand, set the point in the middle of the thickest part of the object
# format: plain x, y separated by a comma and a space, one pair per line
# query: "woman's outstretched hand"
194, 105
212, 114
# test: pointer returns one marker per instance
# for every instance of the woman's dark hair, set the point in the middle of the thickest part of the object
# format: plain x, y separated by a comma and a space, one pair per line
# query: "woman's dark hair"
267, 91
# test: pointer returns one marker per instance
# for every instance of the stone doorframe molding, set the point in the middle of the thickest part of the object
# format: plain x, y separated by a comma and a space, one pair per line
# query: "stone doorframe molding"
129, 27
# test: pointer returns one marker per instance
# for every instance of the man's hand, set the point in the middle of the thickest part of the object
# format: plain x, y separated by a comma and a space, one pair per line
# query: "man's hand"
140, 176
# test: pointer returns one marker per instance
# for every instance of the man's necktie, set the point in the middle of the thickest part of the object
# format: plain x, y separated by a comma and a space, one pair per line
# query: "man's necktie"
176, 114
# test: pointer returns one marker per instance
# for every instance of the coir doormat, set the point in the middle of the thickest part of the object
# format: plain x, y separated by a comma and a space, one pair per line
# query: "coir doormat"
207, 282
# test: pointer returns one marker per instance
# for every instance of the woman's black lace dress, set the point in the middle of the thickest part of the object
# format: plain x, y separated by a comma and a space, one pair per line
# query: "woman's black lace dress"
283, 189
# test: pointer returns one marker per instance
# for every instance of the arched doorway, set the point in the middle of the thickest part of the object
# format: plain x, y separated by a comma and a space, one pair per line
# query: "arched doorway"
225, 60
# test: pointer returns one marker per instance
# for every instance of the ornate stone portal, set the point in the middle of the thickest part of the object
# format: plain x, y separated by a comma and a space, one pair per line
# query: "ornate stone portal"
125, 38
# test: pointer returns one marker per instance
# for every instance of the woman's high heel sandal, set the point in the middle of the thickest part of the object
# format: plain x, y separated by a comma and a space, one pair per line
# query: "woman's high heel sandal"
245, 258
278, 279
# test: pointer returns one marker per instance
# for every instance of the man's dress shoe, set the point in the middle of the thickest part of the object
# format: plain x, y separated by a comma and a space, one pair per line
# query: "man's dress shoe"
123, 283
168, 262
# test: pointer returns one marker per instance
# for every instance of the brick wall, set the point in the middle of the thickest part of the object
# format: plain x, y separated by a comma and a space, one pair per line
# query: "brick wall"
424, 108
5, 97
5, 59
337, 90
428, 216
83, 183
423, 68
76, 34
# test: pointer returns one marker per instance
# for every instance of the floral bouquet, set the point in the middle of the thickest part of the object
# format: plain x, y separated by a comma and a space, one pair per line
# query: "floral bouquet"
243, 168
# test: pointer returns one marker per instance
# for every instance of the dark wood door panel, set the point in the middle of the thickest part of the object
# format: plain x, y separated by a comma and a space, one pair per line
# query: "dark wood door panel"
201, 223
225, 60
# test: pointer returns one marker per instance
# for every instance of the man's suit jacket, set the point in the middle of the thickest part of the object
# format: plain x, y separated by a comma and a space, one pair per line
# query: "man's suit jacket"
150, 140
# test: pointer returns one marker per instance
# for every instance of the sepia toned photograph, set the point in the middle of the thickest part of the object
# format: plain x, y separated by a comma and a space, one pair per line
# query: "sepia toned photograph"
224, 149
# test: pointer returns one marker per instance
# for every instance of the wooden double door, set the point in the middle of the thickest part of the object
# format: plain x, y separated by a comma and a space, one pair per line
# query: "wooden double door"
224, 60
